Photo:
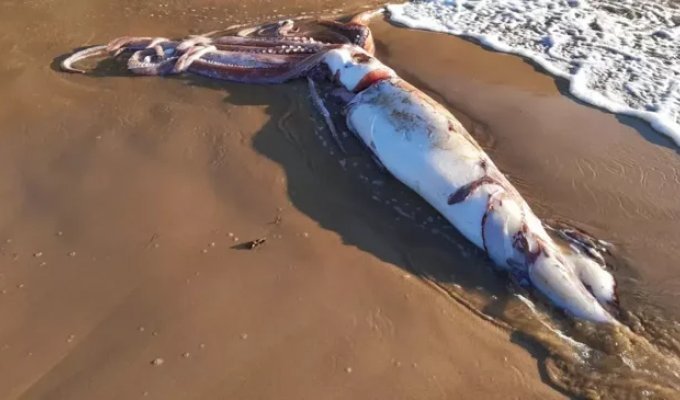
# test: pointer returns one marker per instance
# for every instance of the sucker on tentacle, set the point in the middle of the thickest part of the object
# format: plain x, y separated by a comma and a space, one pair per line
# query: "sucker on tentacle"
415, 138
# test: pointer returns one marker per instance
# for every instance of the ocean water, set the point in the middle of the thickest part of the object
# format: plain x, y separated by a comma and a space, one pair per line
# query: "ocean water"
620, 55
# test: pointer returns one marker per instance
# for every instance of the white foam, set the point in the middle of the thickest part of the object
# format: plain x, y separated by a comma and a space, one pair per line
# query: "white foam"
620, 55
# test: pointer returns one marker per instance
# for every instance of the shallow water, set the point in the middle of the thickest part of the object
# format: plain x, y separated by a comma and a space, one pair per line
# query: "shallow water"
606, 174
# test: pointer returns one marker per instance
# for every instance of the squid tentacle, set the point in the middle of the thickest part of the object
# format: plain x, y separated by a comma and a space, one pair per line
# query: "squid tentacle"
278, 38
318, 102
248, 74
191, 55
94, 51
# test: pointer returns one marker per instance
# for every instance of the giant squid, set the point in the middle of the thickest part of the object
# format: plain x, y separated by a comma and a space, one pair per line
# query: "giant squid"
412, 136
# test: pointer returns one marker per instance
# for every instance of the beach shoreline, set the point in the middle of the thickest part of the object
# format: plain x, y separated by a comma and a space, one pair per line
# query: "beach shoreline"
125, 198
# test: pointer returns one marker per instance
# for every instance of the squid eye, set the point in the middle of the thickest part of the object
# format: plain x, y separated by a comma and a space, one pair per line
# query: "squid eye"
361, 58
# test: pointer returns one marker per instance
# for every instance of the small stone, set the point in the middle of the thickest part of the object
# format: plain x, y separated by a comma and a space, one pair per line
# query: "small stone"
72, 254
141, 329
230, 234
4, 291
20, 286
70, 338
154, 333
186, 355
244, 336
8, 241
305, 234
37, 254
348, 370
236, 239
60, 233
204, 251
42, 264
202, 345
212, 244
157, 361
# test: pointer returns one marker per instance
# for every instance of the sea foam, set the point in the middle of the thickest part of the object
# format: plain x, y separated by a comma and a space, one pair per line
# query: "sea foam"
620, 55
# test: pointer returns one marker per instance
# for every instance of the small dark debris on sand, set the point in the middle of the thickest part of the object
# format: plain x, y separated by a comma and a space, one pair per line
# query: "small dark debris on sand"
251, 245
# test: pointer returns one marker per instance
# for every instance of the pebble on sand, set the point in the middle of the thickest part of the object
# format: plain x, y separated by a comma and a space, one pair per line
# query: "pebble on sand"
157, 362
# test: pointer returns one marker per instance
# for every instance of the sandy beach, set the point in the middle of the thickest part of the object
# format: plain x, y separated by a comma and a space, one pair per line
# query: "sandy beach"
123, 202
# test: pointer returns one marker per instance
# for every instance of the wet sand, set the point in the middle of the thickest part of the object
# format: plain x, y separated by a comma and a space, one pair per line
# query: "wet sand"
123, 199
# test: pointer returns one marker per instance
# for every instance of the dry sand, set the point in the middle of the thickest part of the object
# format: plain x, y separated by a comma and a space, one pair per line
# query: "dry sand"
122, 198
